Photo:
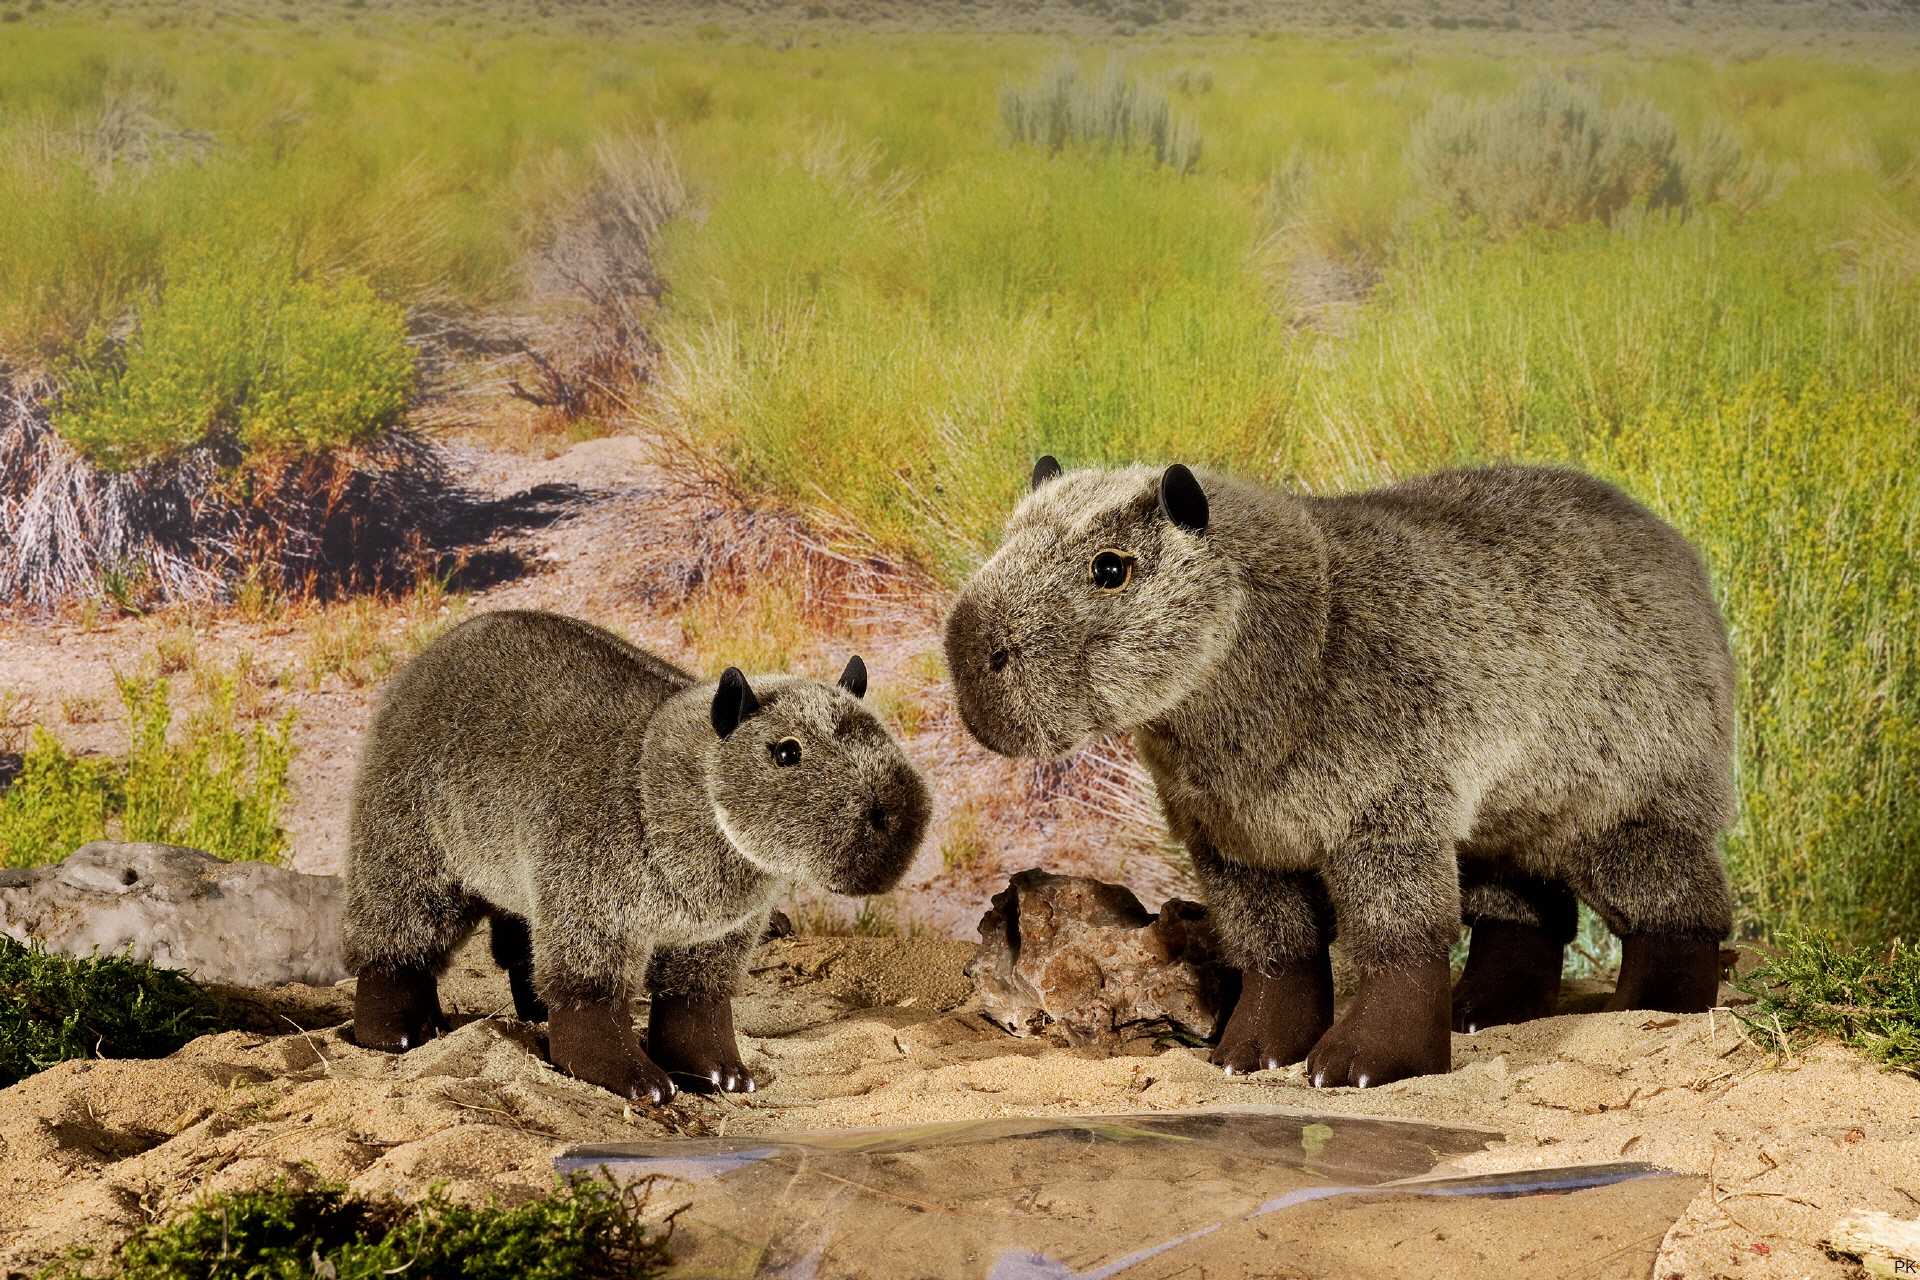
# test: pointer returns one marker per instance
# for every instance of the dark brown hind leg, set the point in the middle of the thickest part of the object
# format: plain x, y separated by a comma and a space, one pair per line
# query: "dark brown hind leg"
1659, 885
399, 927
396, 1009
1674, 973
512, 945
1521, 927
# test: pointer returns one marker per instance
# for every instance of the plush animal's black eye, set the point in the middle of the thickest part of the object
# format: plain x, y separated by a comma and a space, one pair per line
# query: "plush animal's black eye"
785, 752
1111, 570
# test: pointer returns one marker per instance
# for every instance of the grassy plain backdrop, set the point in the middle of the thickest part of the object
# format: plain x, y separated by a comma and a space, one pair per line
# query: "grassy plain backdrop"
881, 306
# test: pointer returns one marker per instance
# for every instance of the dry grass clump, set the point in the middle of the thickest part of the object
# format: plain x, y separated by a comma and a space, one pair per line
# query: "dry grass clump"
599, 254
1117, 114
824, 563
362, 641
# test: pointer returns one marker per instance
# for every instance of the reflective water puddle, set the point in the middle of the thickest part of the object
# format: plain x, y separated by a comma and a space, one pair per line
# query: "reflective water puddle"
1214, 1194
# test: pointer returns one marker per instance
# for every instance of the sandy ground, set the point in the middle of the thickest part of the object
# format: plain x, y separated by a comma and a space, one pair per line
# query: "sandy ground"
851, 1032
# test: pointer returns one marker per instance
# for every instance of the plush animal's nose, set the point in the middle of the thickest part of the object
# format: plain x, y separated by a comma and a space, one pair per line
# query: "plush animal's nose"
998, 659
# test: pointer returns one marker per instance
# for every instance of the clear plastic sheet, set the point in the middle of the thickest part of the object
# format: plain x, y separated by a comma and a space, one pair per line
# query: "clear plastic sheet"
1214, 1194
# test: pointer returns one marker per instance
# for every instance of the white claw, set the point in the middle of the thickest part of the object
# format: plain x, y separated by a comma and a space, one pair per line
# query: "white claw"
751, 1086
1363, 1081
713, 1076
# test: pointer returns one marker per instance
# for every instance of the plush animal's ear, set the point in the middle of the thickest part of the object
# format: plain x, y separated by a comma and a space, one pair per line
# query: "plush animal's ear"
854, 678
733, 702
1182, 500
1045, 469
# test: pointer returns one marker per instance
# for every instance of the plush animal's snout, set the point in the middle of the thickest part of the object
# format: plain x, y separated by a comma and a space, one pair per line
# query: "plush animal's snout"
895, 819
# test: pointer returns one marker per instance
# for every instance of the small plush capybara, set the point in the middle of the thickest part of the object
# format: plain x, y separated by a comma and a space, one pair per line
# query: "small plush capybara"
609, 814
1480, 693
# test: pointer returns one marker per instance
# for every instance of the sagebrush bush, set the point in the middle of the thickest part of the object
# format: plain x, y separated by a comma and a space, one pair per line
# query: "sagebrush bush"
1549, 154
216, 785
56, 1008
233, 352
582, 1228
1062, 109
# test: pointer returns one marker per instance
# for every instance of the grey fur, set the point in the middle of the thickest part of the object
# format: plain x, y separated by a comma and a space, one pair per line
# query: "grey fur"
1515, 674
533, 767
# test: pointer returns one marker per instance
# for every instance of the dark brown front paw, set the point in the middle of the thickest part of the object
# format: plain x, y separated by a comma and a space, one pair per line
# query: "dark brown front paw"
1277, 1018
395, 1010
595, 1042
1512, 975
1395, 1028
693, 1038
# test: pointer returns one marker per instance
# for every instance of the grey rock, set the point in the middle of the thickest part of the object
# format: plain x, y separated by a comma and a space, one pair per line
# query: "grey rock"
245, 923
1078, 956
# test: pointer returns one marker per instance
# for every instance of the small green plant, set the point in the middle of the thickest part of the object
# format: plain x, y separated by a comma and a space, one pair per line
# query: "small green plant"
881, 917
216, 787
583, 1228
174, 650
58, 802
1809, 988
876, 917
125, 587
53, 1008
1594, 952
81, 708
1117, 114
234, 352
219, 789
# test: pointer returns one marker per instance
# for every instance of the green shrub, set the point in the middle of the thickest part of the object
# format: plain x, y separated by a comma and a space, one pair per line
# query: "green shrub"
1808, 988
1550, 154
583, 1228
218, 787
53, 1008
1061, 109
58, 802
233, 352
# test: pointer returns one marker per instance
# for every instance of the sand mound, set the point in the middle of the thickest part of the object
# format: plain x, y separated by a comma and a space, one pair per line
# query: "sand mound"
854, 1032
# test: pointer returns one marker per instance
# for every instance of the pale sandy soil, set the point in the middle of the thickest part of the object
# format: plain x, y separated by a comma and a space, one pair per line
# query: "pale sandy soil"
849, 1032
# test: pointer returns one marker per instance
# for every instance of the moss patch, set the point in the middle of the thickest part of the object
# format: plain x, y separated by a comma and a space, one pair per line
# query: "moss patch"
582, 1229
53, 1008
1868, 997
